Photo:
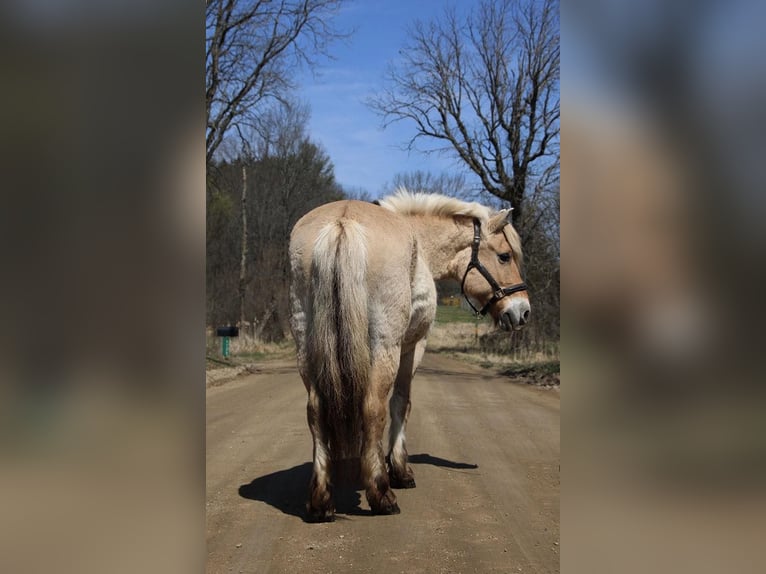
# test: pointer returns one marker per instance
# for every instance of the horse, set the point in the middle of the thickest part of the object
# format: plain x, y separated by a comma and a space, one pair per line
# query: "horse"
363, 298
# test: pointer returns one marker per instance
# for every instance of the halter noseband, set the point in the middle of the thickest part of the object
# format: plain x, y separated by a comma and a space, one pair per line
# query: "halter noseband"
497, 291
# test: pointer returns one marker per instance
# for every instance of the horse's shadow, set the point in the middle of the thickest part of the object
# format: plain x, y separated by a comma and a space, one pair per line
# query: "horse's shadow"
287, 490
426, 458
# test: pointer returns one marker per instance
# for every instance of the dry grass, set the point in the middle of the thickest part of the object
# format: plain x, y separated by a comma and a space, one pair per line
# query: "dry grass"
477, 342
463, 336
245, 355
245, 350
482, 344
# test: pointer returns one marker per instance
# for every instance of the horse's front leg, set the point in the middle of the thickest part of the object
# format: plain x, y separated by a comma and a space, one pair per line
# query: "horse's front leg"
400, 473
320, 507
381, 498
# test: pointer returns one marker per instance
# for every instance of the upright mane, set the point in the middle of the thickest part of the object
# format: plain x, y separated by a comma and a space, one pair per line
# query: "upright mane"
410, 203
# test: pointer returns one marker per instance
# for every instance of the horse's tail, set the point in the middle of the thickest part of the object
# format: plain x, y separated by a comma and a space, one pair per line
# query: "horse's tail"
338, 332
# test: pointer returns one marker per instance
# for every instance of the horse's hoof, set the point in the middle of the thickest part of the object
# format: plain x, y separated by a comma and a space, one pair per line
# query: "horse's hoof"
386, 505
403, 480
385, 510
406, 482
320, 515
392, 509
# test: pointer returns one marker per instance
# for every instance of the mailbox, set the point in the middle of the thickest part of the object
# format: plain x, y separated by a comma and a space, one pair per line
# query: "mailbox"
230, 331
225, 333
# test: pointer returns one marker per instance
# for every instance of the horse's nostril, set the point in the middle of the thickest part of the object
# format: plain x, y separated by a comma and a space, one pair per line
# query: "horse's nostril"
524, 317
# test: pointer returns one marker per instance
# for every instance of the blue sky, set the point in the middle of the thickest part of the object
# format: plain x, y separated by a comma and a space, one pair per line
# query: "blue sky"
365, 155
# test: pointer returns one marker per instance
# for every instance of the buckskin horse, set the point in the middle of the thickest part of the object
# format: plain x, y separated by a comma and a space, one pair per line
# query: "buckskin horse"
363, 299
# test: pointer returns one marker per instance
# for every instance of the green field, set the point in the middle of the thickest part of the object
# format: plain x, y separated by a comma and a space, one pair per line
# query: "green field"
445, 314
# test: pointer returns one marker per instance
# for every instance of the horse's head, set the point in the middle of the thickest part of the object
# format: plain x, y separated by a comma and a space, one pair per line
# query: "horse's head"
491, 274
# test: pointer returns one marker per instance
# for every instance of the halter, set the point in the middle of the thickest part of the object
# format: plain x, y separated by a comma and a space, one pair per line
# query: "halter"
497, 291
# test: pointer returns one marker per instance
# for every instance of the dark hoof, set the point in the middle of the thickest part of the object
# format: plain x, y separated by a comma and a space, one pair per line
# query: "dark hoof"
386, 505
320, 514
399, 481
407, 482
387, 510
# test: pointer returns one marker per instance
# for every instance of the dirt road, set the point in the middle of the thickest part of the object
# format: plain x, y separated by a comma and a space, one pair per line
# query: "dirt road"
485, 452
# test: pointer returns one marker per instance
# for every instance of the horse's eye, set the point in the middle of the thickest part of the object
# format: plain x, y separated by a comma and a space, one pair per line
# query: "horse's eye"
504, 257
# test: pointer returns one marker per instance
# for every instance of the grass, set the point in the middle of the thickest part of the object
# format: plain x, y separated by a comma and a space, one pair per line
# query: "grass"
543, 368
456, 332
244, 350
445, 314
254, 355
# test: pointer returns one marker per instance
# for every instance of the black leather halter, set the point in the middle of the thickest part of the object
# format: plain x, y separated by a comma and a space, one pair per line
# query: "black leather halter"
497, 291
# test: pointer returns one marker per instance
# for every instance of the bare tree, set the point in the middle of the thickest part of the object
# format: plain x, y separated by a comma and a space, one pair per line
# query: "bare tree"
486, 88
255, 198
358, 193
250, 48
243, 249
280, 128
453, 185
240, 149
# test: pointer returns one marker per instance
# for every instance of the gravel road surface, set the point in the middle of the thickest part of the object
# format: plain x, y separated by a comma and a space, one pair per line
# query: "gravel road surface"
485, 452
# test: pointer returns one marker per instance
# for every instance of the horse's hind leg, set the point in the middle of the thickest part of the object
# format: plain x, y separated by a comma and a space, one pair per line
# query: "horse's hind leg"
381, 498
400, 473
320, 507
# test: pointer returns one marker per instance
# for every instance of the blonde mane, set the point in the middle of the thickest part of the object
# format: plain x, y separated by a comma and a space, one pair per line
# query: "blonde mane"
407, 202
410, 203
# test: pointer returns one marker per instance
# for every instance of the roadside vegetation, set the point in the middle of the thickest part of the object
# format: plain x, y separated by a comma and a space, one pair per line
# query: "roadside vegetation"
246, 349
459, 333
456, 332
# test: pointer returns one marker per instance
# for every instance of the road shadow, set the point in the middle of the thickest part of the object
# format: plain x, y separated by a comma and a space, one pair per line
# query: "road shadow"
287, 491
426, 458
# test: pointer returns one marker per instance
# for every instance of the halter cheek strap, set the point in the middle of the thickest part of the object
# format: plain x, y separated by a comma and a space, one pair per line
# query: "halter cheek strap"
497, 291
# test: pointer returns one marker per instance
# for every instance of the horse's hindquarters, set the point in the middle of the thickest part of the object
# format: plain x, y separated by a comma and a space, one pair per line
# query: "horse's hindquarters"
353, 271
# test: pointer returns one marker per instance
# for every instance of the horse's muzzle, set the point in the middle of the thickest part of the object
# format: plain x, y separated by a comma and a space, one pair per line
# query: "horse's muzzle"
515, 315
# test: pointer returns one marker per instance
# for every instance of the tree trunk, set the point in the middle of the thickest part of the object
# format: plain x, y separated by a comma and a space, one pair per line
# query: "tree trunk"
265, 320
243, 257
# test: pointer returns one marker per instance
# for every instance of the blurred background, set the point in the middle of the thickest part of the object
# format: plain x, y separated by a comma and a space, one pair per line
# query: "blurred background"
102, 290
663, 436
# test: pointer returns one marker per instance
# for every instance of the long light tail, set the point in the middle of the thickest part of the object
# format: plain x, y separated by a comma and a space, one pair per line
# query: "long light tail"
338, 331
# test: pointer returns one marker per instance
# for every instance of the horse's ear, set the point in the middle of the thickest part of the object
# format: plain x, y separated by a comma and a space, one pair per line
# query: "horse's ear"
499, 220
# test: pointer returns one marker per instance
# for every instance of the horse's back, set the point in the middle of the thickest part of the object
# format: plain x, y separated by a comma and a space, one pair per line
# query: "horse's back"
382, 222
389, 238
390, 252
